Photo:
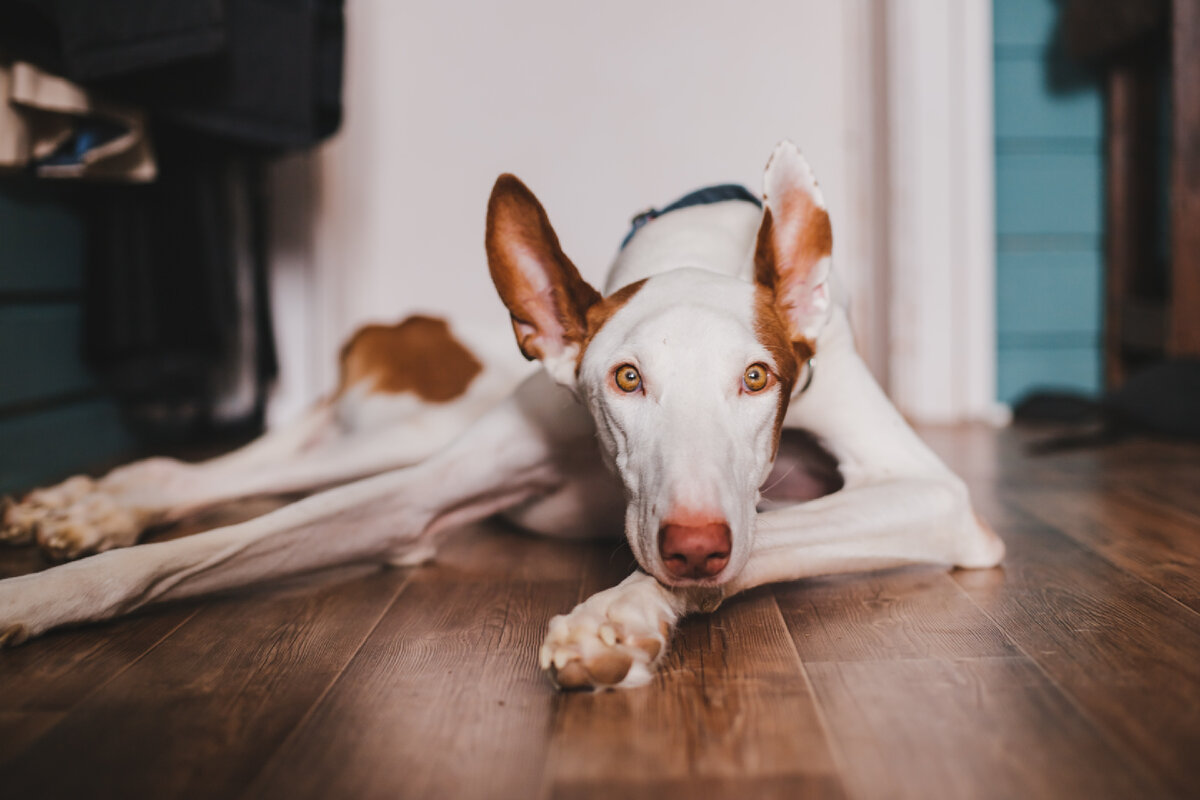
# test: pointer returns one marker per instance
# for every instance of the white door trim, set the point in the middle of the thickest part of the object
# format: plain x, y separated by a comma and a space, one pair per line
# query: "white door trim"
941, 168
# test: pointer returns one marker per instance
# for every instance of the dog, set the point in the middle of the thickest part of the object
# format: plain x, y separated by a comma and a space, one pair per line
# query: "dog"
710, 404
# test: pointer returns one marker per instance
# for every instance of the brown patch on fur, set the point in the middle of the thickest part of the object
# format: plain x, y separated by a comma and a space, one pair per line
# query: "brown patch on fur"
600, 313
810, 244
776, 270
772, 333
517, 226
418, 355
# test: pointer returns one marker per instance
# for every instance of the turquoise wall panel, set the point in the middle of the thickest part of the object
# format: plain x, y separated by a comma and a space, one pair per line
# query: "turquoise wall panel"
53, 444
1023, 23
1049, 293
1025, 107
39, 352
1048, 193
1024, 369
1049, 212
52, 419
41, 242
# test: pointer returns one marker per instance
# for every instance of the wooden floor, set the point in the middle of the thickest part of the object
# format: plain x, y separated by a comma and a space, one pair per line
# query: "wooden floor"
1073, 671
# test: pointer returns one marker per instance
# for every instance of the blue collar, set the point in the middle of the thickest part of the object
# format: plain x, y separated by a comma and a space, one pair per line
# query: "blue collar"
700, 197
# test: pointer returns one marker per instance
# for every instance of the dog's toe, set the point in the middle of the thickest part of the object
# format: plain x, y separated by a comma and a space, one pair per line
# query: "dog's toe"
610, 667
17, 524
572, 675
597, 646
605, 669
92, 525
13, 635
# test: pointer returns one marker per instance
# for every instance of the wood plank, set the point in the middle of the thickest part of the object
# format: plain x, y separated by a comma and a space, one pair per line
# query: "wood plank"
1140, 535
213, 700
445, 699
60, 670
731, 703
911, 613
922, 694
771, 788
969, 728
1128, 655
20, 729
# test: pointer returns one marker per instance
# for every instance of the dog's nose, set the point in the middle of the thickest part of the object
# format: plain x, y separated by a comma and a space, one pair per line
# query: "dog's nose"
694, 551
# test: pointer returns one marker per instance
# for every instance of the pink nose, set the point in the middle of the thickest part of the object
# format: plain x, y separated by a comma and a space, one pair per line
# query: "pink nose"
694, 551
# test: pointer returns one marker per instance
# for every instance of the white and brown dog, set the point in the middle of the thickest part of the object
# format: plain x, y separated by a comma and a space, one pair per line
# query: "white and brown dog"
717, 363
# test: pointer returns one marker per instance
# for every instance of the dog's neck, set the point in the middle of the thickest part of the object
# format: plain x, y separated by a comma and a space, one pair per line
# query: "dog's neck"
718, 237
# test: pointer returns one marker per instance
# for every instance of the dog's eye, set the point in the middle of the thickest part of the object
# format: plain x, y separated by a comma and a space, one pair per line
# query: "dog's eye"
628, 378
756, 378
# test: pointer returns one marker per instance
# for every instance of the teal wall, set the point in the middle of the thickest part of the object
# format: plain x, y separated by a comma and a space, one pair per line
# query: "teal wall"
1049, 212
54, 420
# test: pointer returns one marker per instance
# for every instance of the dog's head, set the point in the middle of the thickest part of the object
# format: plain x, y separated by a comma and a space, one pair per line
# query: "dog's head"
687, 374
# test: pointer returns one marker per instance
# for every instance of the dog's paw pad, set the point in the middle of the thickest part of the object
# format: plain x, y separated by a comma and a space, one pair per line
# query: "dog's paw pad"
570, 669
601, 646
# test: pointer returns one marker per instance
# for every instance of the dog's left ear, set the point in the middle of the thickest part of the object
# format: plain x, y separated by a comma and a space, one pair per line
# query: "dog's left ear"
795, 241
544, 292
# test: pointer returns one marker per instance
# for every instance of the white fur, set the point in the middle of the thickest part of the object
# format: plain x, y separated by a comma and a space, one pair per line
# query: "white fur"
692, 439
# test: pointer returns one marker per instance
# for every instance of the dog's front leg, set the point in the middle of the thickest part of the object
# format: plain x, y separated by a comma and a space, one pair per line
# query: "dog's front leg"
507, 457
875, 525
615, 638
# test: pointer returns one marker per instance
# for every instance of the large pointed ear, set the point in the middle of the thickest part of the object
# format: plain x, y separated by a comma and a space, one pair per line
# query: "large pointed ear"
544, 293
795, 241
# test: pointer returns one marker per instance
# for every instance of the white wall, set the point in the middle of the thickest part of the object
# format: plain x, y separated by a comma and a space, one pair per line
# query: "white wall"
602, 108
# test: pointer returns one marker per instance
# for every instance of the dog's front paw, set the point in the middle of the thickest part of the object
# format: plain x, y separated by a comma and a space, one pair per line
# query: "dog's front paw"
613, 640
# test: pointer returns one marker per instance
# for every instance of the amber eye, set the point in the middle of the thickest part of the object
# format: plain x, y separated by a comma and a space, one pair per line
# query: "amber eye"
756, 378
628, 378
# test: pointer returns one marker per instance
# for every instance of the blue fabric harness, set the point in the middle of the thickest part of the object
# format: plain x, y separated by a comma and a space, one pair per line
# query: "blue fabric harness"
700, 197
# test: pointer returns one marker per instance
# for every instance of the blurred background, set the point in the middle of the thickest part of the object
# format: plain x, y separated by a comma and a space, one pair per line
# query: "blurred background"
200, 200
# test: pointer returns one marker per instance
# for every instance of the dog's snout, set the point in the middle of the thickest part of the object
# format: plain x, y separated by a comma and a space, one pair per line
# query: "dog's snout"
694, 551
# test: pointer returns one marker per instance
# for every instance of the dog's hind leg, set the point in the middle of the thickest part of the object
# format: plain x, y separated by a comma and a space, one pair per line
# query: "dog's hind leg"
375, 422
509, 456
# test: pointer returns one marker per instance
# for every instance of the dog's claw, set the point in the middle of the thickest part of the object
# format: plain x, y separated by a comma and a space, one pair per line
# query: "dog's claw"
13, 635
13, 530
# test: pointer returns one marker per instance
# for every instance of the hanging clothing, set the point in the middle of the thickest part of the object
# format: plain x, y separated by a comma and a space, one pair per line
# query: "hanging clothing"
176, 305
261, 73
64, 131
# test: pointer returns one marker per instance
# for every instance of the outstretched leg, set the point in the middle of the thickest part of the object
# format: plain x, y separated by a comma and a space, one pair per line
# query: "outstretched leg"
615, 638
511, 455
375, 422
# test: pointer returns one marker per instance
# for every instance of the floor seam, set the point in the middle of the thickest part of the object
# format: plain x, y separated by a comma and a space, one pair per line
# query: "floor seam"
333, 681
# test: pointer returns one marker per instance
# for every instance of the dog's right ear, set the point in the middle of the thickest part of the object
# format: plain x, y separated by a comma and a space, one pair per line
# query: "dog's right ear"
545, 295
